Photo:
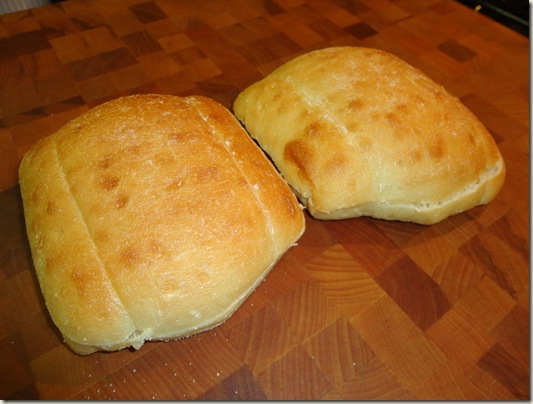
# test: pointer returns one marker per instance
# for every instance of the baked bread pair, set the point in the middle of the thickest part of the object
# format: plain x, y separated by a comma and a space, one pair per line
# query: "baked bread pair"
153, 217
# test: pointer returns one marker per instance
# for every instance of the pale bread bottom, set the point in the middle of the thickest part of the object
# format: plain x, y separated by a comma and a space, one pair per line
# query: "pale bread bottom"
479, 193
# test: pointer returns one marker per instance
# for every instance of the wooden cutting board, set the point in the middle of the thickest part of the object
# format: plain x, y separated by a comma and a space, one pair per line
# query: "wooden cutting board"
360, 308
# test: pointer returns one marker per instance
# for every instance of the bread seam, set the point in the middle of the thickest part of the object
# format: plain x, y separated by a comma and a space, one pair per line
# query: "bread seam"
470, 188
69, 190
264, 210
316, 102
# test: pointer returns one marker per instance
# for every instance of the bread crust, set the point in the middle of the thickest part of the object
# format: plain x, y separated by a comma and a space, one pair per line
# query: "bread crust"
152, 217
359, 132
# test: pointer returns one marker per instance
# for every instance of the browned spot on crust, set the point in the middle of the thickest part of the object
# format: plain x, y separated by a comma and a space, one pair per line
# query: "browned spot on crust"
437, 151
36, 195
356, 105
472, 139
419, 101
107, 183
51, 208
396, 119
130, 256
218, 116
104, 163
242, 183
180, 137
82, 282
102, 236
299, 154
402, 109
415, 156
121, 201
352, 127
175, 184
313, 129
52, 262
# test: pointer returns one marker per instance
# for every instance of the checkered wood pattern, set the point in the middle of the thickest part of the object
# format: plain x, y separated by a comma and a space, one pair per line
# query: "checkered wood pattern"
360, 308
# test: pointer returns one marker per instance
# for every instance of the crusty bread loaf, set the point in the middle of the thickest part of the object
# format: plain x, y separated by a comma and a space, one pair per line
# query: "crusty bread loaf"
152, 218
359, 132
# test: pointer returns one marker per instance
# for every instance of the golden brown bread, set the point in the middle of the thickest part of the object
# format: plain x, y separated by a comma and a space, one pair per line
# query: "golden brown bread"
152, 218
359, 132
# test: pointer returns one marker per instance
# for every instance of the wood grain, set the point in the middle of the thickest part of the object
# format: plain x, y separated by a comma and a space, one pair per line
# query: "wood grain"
360, 308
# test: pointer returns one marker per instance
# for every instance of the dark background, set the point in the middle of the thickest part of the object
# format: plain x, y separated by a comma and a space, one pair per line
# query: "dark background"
512, 13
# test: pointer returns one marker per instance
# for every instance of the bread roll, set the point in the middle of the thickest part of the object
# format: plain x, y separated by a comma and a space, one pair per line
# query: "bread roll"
359, 132
152, 218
